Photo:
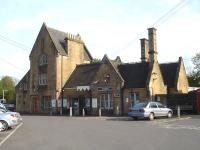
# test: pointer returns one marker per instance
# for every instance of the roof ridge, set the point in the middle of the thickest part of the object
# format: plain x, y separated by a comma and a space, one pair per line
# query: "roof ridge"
168, 63
89, 64
134, 63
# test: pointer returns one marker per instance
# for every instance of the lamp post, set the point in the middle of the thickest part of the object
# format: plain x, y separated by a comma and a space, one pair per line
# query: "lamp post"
3, 94
62, 94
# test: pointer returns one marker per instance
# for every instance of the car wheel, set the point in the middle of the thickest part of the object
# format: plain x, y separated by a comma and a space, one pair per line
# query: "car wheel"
5, 125
151, 116
169, 115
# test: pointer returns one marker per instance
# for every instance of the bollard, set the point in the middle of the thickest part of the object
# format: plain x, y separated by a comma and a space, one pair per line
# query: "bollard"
179, 112
99, 112
83, 112
117, 110
51, 113
70, 112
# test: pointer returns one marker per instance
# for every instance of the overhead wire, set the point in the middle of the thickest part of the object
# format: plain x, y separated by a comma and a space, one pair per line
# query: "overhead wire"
11, 64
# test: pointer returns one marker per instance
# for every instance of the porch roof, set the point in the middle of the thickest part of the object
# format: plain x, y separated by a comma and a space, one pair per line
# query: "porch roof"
83, 75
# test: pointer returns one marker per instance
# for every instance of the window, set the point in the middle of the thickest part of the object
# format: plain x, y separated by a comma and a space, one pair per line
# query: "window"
43, 60
46, 102
106, 101
25, 86
160, 105
153, 105
42, 79
134, 98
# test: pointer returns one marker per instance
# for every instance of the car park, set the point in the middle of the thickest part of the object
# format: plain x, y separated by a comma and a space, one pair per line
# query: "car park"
149, 110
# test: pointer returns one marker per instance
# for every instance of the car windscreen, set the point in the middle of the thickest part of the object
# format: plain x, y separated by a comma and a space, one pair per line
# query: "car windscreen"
140, 105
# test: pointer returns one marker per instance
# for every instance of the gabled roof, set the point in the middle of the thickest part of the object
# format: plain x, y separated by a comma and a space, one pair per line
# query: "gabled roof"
114, 64
134, 75
58, 39
23, 79
169, 73
83, 75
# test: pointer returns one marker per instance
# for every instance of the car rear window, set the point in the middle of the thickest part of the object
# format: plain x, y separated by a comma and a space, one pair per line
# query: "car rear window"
140, 105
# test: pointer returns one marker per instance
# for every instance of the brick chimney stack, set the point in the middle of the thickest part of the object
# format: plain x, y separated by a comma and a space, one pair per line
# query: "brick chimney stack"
152, 44
144, 50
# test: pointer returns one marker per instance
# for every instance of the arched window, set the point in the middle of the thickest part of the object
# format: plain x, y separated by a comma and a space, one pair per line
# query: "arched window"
43, 59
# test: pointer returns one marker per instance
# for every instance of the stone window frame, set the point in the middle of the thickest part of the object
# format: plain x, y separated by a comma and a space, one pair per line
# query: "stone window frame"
43, 59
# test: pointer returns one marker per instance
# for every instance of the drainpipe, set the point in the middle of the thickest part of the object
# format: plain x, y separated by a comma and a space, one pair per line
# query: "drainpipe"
122, 100
61, 112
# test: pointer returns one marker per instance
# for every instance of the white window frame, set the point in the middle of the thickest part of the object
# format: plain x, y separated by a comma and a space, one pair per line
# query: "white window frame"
135, 99
106, 101
43, 59
42, 79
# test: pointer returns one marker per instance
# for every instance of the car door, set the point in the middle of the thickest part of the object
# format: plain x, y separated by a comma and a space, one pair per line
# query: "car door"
155, 109
163, 110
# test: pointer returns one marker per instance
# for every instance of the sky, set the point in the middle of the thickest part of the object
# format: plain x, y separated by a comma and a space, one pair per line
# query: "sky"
111, 27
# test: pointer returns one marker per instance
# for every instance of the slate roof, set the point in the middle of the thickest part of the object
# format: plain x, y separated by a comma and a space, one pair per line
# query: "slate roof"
83, 75
58, 38
134, 75
169, 73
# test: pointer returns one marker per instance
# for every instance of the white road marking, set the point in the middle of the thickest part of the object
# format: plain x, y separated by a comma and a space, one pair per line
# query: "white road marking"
9, 135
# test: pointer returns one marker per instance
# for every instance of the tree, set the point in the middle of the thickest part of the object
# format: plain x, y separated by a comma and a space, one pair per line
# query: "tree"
7, 83
194, 76
95, 60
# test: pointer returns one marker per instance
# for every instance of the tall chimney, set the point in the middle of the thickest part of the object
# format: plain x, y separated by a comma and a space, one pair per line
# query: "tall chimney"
152, 44
144, 50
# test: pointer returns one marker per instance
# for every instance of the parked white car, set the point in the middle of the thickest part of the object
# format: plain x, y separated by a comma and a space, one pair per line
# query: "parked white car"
149, 110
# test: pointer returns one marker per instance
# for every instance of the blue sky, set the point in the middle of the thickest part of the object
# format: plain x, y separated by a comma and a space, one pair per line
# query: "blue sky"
111, 27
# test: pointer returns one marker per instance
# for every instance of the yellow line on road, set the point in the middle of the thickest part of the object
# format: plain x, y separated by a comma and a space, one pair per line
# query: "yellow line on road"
9, 135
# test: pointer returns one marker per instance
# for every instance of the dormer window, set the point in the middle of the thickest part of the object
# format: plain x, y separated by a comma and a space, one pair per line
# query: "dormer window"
43, 60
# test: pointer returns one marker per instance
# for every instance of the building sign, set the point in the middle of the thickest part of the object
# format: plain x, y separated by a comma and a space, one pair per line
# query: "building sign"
94, 102
53, 103
65, 104
59, 103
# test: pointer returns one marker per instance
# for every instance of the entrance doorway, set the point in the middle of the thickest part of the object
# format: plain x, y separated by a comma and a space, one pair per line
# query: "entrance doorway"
77, 105
35, 104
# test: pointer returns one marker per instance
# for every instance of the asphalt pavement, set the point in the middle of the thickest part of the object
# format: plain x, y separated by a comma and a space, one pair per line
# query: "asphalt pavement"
105, 133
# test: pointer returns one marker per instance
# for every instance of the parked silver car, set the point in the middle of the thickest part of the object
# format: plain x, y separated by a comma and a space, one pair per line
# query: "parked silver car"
149, 110
1, 126
9, 119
